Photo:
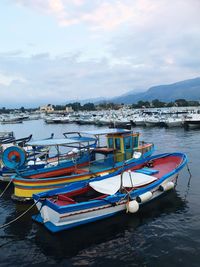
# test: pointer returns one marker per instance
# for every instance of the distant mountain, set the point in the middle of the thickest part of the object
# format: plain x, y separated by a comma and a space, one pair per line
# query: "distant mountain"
188, 89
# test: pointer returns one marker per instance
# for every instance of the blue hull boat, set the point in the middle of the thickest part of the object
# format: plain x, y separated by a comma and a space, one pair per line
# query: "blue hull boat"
122, 191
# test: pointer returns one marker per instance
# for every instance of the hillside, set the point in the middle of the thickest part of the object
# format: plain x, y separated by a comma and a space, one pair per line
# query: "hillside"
188, 89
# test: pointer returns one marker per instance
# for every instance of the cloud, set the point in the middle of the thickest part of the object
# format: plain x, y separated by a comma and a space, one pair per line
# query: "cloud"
58, 79
141, 43
110, 15
13, 53
41, 79
163, 40
7, 80
97, 15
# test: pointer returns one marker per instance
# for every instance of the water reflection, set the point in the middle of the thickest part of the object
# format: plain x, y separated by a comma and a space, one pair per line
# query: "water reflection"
86, 243
68, 244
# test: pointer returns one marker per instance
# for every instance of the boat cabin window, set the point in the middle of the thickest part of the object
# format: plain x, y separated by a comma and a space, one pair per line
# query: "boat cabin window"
117, 144
136, 141
100, 157
127, 142
110, 142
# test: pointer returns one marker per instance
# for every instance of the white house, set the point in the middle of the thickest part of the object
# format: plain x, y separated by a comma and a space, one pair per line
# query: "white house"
47, 108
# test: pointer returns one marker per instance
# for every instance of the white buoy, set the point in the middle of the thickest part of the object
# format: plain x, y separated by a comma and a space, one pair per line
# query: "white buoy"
132, 206
144, 197
166, 186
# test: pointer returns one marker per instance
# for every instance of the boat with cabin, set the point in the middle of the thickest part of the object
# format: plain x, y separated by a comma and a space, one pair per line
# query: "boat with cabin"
125, 190
85, 160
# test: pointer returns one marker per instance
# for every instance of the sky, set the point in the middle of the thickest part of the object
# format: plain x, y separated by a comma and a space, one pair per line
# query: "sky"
55, 51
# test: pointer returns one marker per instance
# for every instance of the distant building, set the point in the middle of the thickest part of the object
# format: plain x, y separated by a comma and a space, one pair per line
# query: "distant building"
69, 109
47, 108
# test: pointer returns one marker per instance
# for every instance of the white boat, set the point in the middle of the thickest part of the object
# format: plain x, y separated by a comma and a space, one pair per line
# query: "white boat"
173, 122
56, 119
192, 120
152, 121
138, 120
60, 119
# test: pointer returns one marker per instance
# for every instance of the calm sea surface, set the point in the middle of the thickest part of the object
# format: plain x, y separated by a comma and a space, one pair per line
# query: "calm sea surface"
164, 233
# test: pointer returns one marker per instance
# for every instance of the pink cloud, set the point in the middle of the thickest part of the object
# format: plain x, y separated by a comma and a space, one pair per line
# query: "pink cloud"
108, 16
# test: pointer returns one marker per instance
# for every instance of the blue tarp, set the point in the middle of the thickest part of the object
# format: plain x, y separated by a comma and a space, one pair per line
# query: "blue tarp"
60, 141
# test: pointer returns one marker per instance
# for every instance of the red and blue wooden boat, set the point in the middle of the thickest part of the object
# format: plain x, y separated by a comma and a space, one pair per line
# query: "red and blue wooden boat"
122, 147
89, 201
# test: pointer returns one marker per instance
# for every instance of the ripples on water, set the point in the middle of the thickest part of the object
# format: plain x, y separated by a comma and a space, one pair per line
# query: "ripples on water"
164, 233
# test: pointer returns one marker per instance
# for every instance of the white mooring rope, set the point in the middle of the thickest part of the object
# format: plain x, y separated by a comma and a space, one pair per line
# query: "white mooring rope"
21, 215
2, 193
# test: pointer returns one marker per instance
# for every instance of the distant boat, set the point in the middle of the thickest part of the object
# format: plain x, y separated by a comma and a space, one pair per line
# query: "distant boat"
192, 120
85, 202
6, 136
152, 121
57, 119
173, 122
11, 119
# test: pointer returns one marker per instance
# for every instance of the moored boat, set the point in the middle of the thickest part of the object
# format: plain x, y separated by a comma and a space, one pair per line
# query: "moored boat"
122, 149
34, 155
173, 122
85, 202
192, 120
152, 121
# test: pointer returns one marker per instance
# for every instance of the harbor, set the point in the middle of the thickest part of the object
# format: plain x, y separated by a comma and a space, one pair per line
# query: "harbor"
122, 117
174, 216
99, 133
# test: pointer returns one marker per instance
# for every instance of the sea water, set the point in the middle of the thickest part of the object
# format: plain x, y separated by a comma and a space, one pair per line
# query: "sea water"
165, 232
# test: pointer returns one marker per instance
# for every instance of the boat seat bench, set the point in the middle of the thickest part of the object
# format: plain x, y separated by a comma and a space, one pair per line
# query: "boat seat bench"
63, 200
147, 171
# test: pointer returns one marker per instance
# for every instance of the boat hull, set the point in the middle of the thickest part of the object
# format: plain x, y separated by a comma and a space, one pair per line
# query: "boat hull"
55, 221
192, 124
152, 124
174, 124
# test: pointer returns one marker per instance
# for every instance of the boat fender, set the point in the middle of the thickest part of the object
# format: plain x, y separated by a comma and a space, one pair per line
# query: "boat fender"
132, 206
166, 186
144, 197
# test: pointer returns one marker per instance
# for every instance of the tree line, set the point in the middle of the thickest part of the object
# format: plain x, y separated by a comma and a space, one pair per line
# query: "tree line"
160, 104
77, 106
140, 104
